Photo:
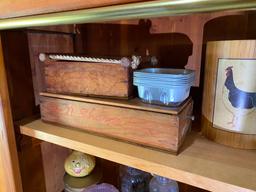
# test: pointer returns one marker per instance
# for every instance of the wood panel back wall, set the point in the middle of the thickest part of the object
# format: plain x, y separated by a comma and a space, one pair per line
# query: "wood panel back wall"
177, 42
22, 104
21, 48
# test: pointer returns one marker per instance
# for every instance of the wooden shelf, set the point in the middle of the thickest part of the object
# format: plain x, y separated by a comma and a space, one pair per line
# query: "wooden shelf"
201, 163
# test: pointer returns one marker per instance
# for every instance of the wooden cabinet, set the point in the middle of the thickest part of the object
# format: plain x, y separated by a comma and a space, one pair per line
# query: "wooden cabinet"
201, 162
10, 179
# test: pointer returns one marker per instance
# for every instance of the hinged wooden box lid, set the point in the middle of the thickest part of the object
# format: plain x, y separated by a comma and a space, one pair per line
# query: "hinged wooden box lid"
133, 121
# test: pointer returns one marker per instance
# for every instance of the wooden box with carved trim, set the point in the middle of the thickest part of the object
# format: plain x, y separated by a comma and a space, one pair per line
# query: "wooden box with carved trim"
86, 76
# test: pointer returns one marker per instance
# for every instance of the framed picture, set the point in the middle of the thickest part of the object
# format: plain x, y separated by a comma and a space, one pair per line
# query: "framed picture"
235, 97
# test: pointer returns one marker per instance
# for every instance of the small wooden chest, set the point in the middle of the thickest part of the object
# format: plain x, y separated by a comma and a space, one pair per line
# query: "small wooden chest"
84, 78
154, 126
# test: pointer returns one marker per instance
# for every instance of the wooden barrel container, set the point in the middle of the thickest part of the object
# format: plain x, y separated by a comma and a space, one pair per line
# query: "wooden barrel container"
229, 98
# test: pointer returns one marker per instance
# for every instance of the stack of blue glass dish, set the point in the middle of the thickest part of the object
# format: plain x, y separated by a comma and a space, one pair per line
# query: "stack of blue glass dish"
164, 86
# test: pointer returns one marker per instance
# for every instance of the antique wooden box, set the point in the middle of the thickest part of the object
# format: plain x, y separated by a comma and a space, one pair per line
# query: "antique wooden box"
133, 121
75, 75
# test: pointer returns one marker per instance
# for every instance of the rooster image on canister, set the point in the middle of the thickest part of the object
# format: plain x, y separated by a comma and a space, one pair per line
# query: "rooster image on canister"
235, 102
229, 95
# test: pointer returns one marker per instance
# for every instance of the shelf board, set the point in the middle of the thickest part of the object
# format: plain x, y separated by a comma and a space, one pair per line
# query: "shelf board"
201, 163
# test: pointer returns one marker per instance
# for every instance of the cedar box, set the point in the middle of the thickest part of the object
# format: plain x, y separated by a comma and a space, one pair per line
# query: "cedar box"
133, 121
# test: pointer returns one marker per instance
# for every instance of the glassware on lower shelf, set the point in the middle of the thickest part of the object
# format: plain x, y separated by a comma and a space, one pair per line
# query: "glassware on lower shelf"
163, 184
133, 180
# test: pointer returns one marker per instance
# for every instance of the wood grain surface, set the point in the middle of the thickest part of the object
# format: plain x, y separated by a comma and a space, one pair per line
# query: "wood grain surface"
18, 8
10, 178
152, 129
22, 101
46, 42
215, 50
31, 169
54, 29
19, 76
201, 162
21, 94
82, 78
193, 27
134, 103
176, 41
53, 157
243, 141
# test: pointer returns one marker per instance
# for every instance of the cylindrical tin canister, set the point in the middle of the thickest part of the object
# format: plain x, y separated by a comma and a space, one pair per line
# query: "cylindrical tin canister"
229, 98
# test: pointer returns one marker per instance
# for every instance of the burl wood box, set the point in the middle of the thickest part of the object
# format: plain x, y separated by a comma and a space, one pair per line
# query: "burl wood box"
133, 121
85, 76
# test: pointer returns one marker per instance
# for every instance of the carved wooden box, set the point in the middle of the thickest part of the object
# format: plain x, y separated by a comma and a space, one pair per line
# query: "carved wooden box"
95, 78
133, 121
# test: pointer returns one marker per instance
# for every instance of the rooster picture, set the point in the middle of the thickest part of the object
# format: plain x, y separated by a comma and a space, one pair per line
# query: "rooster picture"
242, 102
235, 96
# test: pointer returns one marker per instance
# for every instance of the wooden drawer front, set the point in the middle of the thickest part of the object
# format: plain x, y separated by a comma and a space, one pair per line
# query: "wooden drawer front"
143, 127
